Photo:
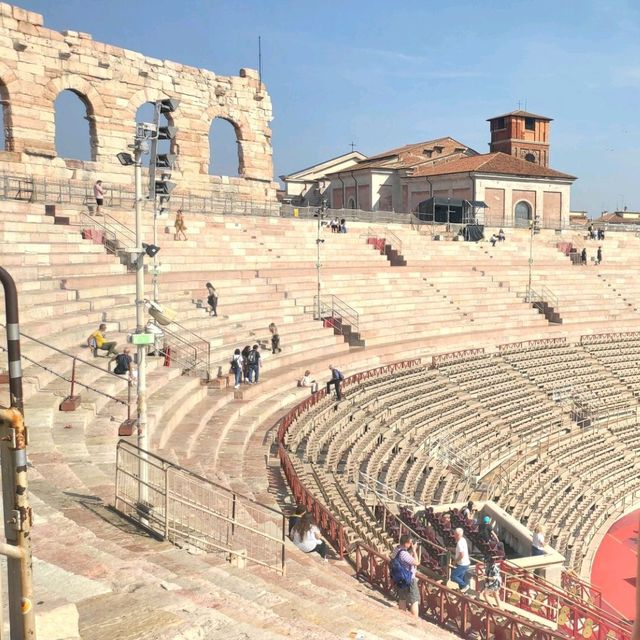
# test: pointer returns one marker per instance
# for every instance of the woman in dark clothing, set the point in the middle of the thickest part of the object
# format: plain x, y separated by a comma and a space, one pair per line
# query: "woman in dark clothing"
245, 363
212, 299
275, 338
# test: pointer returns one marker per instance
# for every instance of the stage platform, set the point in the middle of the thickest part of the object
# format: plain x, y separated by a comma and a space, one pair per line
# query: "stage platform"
614, 566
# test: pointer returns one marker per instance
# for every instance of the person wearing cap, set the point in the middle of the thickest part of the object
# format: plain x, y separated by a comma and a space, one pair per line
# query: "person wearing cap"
485, 530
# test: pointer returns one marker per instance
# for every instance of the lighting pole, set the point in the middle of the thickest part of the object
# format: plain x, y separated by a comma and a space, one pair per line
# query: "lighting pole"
534, 228
319, 241
143, 434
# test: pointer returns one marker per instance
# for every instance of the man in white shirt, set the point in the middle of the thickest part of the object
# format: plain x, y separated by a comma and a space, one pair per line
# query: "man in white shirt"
460, 573
98, 194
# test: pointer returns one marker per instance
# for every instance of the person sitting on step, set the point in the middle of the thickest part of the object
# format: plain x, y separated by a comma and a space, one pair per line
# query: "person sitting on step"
305, 535
97, 342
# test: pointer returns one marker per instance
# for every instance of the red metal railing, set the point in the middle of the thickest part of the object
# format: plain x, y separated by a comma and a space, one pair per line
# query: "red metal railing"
449, 608
328, 523
573, 584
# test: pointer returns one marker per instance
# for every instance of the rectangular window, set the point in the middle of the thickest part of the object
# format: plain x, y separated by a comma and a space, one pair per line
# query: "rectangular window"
498, 123
530, 124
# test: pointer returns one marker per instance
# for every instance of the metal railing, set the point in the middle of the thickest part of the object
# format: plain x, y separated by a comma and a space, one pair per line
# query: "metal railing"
116, 237
542, 294
449, 608
337, 312
187, 350
73, 377
368, 487
438, 603
189, 510
386, 236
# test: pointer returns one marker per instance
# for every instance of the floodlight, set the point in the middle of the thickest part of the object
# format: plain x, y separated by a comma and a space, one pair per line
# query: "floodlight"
126, 159
150, 249
168, 105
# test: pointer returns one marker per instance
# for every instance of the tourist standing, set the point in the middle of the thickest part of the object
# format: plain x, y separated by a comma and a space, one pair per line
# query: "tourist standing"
460, 573
179, 226
336, 380
537, 541
492, 582
236, 367
98, 194
253, 362
599, 255
404, 561
275, 338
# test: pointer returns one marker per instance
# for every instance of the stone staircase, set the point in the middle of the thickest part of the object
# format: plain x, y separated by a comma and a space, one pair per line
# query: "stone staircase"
96, 577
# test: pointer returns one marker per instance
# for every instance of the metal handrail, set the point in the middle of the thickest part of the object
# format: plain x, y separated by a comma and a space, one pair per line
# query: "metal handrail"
336, 308
188, 362
180, 514
112, 226
74, 359
542, 294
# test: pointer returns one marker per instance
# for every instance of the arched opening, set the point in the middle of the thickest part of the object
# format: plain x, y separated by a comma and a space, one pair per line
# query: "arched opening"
6, 143
146, 113
225, 152
523, 214
351, 204
529, 157
71, 107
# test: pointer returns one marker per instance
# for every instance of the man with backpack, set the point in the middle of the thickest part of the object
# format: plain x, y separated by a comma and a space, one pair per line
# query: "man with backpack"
404, 561
253, 362
336, 380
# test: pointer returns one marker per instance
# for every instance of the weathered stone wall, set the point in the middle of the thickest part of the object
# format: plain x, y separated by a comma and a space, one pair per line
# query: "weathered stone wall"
37, 63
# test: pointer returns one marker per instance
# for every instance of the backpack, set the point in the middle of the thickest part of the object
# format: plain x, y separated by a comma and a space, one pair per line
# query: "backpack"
400, 574
122, 364
253, 356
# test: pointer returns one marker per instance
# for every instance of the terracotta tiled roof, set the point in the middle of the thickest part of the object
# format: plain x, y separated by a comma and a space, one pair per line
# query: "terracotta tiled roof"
617, 218
523, 114
498, 162
413, 155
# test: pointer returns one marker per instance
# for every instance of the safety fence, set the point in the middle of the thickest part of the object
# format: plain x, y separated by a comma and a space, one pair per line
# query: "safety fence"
79, 192
569, 614
180, 506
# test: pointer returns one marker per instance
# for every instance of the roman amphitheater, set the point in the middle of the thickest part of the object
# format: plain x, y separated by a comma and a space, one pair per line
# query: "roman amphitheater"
459, 385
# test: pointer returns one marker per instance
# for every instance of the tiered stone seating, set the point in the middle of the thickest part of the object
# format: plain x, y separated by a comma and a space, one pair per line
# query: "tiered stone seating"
264, 270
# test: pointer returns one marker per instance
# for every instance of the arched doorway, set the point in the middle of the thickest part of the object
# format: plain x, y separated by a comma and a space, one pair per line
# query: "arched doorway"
351, 204
522, 214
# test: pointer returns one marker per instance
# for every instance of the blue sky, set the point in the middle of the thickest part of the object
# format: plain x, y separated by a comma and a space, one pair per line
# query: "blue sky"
384, 74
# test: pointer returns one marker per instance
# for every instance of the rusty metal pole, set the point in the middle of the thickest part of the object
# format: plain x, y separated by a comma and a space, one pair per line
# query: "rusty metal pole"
16, 509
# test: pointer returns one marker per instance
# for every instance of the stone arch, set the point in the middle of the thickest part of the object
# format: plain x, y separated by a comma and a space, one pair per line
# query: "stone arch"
141, 97
7, 78
238, 140
523, 213
242, 130
87, 94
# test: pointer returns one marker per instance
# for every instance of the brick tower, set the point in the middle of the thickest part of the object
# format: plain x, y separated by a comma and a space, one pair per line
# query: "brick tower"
521, 134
